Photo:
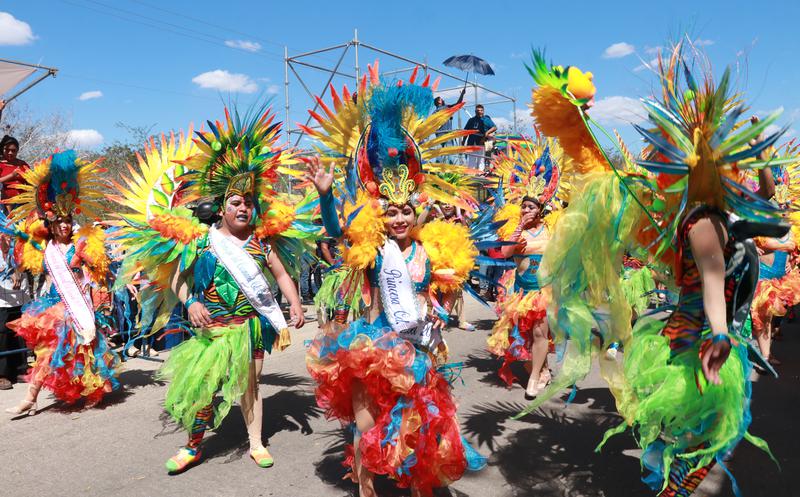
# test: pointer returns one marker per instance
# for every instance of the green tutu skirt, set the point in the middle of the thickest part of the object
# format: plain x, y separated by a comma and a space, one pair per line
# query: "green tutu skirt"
214, 360
673, 411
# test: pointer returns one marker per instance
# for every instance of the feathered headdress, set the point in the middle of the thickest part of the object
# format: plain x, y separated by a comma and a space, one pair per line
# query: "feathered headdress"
60, 186
530, 169
700, 147
382, 141
239, 156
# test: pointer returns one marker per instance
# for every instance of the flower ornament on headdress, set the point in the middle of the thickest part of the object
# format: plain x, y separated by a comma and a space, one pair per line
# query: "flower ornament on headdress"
60, 186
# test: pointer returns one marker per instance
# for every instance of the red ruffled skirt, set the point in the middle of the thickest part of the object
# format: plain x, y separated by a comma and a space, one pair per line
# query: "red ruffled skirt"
774, 297
511, 336
70, 369
416, 438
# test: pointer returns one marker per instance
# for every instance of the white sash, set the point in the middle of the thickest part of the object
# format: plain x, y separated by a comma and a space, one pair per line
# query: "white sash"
248, 277
75, 301
399, 300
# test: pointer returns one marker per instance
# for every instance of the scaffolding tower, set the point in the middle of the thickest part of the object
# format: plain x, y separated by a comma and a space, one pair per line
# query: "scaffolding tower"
302, 65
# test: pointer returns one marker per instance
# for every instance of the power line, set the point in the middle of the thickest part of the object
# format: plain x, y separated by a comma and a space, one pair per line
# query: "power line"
138, 87
201, 21
166, 26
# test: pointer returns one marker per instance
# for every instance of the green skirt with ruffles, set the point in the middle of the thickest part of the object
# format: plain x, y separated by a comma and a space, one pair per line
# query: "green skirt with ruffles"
214, 360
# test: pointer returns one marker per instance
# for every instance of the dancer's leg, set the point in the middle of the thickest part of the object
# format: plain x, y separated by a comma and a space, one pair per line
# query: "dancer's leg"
29, 403
191, 453
538, 356
764, 338
364, 422
201, 421
252, 408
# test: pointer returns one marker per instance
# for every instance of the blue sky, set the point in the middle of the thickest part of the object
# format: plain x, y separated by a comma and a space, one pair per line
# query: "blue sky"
169, 63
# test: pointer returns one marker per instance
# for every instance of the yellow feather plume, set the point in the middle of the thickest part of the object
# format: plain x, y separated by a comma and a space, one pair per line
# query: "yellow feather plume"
511, 214
28, 257
90, 245
366, 232
451, 252
276, 220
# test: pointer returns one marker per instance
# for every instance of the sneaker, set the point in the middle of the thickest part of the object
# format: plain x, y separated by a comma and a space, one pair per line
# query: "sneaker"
5, 384
466, 326
180, 462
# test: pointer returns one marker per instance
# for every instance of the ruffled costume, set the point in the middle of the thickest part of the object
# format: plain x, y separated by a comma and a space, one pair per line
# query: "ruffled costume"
378, 145
73, 364
528, 169
637, 284
682, 423
238, 156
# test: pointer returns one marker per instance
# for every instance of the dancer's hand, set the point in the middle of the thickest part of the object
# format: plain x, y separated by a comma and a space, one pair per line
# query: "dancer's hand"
296, 315
439, 323
713, 359
317, 174
199, 315
527, 220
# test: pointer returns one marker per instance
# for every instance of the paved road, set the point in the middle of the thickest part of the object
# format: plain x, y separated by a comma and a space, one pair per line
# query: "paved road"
119, 448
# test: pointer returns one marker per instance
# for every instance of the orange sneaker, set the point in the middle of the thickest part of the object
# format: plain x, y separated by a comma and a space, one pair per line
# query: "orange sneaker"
182, 460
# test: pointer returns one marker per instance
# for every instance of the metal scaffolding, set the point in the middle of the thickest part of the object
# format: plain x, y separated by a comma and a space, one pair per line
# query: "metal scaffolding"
296, 64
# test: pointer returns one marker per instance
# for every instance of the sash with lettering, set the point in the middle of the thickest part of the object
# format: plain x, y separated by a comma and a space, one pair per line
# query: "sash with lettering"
248, 277
399, 301
76, 302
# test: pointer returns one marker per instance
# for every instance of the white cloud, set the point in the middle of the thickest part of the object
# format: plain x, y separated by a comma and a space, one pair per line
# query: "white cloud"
83, 138
518, 55
502, 122
703, 43
618, 50
618, 110
13, 31
250, 46
652, 50
226, 81
89, 95
273, 89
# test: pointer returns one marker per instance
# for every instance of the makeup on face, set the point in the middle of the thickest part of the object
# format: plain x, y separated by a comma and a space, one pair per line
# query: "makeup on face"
238, 212
399, 220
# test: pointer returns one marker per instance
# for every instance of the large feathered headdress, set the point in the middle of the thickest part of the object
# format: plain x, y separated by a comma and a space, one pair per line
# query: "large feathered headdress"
60, 186
239, 156
530, 168
383, 141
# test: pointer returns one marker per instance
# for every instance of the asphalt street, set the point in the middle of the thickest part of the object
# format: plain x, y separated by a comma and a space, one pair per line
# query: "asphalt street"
119, 448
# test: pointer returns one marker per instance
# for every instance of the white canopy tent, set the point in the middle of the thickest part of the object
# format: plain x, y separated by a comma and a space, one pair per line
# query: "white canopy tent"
14, 74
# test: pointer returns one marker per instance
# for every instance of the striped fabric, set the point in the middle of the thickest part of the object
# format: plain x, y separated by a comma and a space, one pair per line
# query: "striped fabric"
687, 323
259, 250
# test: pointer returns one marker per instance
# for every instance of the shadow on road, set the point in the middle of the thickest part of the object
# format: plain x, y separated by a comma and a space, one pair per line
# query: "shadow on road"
287, 410
555, 456
486, 363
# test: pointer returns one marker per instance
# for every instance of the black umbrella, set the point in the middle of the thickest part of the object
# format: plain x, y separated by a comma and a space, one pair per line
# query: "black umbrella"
469, 63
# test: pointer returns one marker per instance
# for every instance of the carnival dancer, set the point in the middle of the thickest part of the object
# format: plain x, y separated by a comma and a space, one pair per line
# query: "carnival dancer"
683, 385
385, 373
65, 326
528, 182
218, 273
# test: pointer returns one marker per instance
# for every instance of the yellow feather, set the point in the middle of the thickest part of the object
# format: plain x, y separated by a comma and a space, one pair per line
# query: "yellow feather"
451, 252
